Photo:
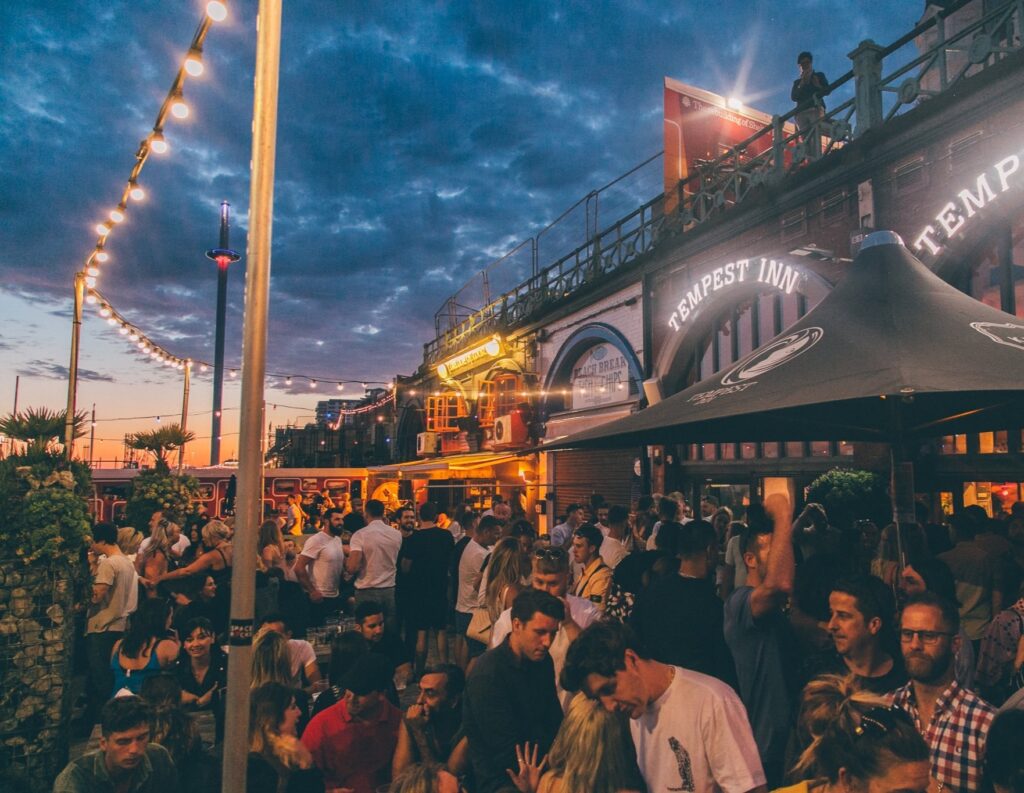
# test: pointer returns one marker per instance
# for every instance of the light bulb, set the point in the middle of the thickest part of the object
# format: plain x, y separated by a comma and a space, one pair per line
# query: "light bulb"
194, 63
136, 192
216, 10
157, 144
234, 373
179, 109
92, 270
101, 255
91, 299
90, 282
203, 368
312, 383
133, 336
287, 381
123, 330
111, 320
102, 229
105, 311
364, 386
116, 215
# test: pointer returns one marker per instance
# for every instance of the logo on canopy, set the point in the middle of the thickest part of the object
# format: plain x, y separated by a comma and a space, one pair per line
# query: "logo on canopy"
1002, 333
774, 355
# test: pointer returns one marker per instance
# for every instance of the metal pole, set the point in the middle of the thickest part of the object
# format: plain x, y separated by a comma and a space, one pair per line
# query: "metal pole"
184, 414
224, 256
254, 348
76, 332
92, 434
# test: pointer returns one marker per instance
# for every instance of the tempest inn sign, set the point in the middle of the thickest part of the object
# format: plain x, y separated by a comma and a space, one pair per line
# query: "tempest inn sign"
770, 272
955, 215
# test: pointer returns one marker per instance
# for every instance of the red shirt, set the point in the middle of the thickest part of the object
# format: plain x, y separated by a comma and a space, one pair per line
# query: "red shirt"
353, 753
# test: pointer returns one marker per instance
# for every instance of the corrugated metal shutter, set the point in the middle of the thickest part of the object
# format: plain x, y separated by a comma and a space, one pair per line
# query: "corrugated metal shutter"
580, 474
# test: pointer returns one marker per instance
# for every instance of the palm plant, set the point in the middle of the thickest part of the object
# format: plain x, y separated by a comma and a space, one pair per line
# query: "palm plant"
160, 442
38, 427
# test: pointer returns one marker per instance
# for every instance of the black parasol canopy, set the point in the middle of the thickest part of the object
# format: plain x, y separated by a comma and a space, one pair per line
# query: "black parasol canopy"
893, 352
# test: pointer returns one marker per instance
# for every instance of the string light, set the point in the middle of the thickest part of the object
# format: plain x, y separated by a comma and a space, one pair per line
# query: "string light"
157, 144
179, 108
194, 62
136, 192
116, 215
312, 383
216, 10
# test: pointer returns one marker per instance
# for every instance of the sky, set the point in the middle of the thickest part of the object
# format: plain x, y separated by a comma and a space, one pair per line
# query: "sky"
418, 143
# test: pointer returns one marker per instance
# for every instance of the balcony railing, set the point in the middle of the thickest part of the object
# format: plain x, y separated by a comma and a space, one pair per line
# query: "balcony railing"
938, 54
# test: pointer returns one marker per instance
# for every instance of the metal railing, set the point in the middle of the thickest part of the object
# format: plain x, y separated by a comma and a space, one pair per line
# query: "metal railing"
935, 56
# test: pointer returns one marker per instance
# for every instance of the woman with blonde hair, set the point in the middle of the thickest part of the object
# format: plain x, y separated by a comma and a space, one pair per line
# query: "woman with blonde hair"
592, 752
153, 561
271, 663
214, 562
857, 742
278, 761
426, 778
271, 546
503, 579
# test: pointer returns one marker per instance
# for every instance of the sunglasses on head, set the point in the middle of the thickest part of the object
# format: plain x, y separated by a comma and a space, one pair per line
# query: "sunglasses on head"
549, 553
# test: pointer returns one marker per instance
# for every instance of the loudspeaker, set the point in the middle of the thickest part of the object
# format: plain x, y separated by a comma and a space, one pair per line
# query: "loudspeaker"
652, 390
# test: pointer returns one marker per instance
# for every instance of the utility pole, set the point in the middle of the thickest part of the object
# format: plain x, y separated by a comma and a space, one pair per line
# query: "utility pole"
254, 353
76, 333
224, 257
92, 434
184, 414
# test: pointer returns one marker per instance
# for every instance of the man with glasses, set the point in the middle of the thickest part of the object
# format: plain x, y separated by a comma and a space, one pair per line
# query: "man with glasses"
953, 720
551, 575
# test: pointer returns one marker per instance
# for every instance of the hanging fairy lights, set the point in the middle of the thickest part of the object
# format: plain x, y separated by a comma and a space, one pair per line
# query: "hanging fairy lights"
175, 107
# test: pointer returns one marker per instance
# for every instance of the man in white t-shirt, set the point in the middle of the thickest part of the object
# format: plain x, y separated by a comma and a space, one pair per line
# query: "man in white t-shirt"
373, 560
113, 577
669, 510
467, 599
690, 731
615, 547
551, 575
320, 566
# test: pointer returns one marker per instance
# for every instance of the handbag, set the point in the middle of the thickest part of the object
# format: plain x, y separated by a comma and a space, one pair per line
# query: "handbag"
480, 626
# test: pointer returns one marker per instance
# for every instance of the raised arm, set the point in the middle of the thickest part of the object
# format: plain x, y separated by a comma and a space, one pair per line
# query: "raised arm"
781, 567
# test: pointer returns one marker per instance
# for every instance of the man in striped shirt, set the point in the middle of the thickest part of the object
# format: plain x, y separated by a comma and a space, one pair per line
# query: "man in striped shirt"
953, 720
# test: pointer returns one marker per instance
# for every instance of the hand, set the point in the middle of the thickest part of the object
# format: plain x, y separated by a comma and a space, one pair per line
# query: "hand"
180, 599
316, 596
528, 778
416, 716
204, 700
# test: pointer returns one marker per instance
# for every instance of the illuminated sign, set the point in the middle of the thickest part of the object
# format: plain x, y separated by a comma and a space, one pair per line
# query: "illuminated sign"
600, 377
770, 272
955, 214
464, 360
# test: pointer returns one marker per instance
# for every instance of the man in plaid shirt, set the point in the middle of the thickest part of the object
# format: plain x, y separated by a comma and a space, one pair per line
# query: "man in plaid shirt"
953, 720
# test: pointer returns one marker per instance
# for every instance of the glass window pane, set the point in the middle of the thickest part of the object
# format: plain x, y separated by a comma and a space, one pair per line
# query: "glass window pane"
744, 329
728, 451
992, 442
845, 449
748, 451
790, 313
708, 451
986, 277
724, 344
707, 367
766, 317
770, 449
794, 449
820, 449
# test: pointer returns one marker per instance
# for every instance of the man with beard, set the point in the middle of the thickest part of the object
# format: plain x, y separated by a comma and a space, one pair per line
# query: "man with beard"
953, 720
319, 568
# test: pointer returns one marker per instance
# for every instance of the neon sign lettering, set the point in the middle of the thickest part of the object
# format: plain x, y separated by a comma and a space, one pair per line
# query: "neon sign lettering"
772, 272
955, 214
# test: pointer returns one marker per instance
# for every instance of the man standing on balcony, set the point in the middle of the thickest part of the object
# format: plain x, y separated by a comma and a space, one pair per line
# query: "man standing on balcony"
809, 90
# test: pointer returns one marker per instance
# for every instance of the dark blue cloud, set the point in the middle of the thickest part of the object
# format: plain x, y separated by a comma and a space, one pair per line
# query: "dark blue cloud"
417, 143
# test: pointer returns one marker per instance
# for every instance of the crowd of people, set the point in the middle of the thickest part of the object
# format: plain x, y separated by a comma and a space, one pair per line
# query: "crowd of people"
657, 648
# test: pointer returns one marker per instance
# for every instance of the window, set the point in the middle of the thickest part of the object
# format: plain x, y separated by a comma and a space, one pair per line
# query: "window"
794, 224
497, 398
953, 444
909, 175
444, 411
833, 207
993, 442
964, 151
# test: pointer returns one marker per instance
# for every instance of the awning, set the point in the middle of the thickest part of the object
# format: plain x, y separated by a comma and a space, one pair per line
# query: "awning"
570, 423
454, 462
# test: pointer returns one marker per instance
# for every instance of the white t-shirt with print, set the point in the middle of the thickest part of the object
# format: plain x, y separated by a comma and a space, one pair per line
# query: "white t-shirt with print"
328, 562
696, 737
379, 543
470, 573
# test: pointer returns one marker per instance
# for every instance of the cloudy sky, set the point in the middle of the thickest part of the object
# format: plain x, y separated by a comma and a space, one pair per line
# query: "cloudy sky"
417, 144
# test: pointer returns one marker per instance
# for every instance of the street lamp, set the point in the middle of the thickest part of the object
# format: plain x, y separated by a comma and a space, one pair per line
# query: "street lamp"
224, 257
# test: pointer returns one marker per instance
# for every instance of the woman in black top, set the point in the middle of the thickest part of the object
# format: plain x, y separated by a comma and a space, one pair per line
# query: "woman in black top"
278, 761
202, 671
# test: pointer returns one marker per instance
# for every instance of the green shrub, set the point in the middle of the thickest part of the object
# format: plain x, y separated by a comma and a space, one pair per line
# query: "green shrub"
155, 489
849, 495
43, 508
